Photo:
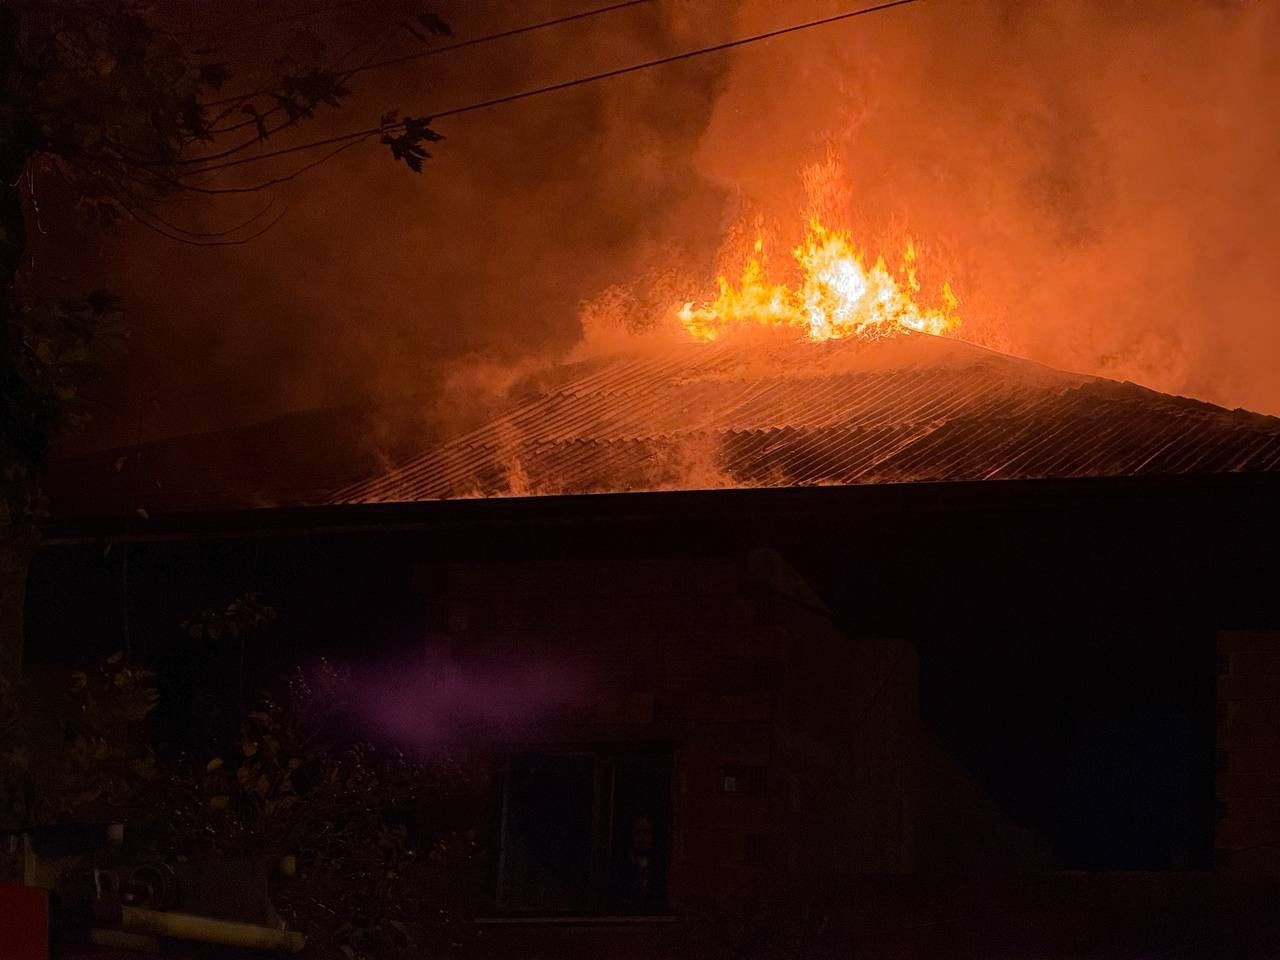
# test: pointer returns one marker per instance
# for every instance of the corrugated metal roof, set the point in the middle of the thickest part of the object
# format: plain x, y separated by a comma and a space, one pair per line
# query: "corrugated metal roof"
763, 411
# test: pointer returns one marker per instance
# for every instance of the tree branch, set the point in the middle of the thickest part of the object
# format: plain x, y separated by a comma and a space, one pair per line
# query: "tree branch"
212, 233
174, 183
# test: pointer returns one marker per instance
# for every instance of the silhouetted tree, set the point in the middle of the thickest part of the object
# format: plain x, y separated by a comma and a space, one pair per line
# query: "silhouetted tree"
126, 114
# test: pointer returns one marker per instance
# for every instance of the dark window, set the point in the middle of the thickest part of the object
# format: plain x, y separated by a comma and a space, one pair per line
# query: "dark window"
547, 833
640, 810
584, 832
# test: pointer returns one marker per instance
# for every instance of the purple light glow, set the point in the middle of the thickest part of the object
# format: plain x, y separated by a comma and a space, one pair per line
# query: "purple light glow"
429, 703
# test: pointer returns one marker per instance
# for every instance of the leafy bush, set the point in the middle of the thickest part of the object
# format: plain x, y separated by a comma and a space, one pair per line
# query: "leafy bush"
371, 862
81, 753
369, 866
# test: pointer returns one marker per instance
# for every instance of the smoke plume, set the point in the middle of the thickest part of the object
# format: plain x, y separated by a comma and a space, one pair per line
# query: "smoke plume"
1095, 178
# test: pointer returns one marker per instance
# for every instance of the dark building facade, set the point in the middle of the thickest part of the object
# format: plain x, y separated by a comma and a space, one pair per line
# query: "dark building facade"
1032, 632
1017, 674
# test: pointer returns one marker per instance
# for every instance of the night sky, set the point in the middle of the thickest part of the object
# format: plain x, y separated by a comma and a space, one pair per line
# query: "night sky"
1095, 179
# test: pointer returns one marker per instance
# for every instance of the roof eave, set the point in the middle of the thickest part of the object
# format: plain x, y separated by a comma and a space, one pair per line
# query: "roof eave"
758, 505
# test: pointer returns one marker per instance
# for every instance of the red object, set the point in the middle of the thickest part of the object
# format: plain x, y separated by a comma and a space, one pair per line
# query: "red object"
24, 922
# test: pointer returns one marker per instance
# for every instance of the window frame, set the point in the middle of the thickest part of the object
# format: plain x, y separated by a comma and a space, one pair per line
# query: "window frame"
606, 758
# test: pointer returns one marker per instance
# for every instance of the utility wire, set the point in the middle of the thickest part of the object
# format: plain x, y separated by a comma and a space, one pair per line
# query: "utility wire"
358, 135
406, 58
422, 54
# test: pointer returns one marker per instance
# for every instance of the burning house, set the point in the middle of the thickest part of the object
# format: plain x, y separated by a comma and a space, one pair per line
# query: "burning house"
800, 590
792, 593
737, 617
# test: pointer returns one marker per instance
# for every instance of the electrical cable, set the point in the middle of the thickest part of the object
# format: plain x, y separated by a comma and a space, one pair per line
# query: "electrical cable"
364, 134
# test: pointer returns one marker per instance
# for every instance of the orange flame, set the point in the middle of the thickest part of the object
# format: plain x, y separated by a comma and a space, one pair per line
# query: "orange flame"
837, 295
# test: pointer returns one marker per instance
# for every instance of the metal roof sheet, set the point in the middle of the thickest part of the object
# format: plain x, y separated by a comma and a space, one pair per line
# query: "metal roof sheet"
763, 411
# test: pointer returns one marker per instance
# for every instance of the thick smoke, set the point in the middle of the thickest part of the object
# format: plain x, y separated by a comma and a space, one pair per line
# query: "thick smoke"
381, 286
1095, 177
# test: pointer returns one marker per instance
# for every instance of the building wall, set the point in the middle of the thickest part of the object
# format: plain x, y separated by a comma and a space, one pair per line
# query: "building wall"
1248, 782
870, 787
798, 750
1065, 635
672, 653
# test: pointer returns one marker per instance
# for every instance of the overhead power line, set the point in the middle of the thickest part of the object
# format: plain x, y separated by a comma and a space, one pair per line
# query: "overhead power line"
436, 51
516, 31
357, 135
